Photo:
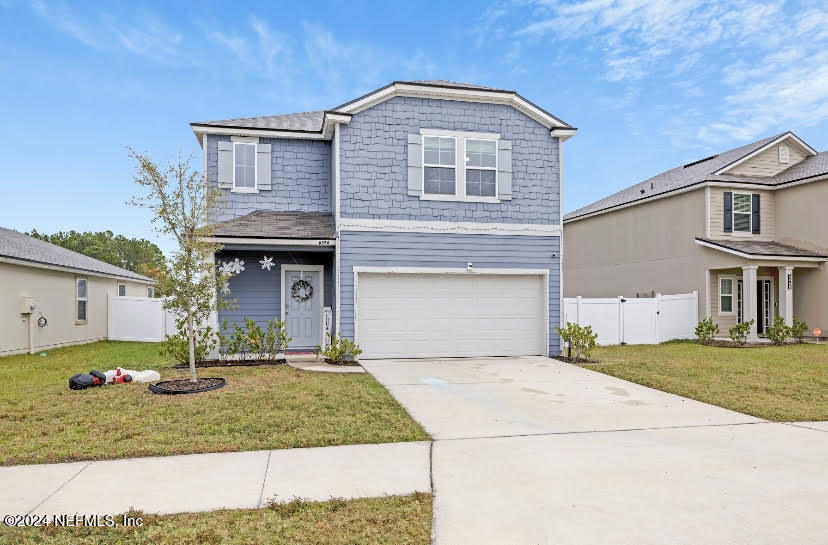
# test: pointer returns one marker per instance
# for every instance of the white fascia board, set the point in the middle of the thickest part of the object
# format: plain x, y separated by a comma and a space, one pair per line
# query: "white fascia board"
73, 270
787, 136
563, 134
450, 93
753, 257
465, 228
273, 241
259, 132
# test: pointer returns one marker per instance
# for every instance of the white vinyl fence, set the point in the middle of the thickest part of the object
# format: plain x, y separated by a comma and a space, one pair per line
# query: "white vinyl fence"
647, 320
138, 319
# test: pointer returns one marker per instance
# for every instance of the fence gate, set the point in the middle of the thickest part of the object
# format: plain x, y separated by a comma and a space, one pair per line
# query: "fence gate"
645, 320
138, 319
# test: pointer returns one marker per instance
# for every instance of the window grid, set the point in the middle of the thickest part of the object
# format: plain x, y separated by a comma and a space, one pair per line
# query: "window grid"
81, 299
481, 167
439, 165
725, 295
244, 165
742, 212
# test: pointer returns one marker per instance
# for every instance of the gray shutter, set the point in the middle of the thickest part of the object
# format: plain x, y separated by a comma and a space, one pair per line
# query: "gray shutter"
263, 172
728, 212
755, 214
225, 164
504, 170
415, 165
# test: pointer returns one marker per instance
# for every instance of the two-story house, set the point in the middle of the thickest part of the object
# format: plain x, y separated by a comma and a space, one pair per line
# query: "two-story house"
421, 219
744, 228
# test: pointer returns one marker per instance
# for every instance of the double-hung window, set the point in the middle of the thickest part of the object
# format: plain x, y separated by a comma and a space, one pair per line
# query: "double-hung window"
121, 290
742, 211
481, 167
726, 295
81, 299
244, 166
439, 165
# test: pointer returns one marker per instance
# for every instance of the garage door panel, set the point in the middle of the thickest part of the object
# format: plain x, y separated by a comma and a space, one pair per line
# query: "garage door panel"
424, 315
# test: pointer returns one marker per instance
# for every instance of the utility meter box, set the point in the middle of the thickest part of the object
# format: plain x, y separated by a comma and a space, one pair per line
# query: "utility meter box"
27, 304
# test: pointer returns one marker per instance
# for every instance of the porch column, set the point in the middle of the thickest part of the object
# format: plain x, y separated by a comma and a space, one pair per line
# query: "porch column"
749, 298
786, 294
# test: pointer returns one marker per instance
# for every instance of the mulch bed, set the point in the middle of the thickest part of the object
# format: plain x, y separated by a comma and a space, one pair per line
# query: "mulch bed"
230, 363
731, 344
186, 386
573, 360
350, 363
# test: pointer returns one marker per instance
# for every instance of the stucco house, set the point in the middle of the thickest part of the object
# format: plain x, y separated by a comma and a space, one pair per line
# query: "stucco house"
746, 228
54, 297
421, 219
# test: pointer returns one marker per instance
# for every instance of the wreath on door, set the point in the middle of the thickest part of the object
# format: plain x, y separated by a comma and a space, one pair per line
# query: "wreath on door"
301, 290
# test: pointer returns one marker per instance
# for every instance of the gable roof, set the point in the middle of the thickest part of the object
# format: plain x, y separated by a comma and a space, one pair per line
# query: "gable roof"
760, 250
270, 224
704, 170
25, 249
319, 124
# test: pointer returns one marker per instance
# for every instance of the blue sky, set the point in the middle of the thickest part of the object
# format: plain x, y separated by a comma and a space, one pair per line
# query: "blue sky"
651, 84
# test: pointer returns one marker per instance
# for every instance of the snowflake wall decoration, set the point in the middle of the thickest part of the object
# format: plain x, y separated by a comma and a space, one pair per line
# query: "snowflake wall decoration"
267, 263
226, 267
238, 265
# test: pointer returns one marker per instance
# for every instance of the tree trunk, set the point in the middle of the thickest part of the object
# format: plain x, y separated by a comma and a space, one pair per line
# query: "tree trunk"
191, 343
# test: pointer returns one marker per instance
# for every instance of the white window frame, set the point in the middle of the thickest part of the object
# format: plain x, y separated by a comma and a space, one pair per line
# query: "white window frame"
255, 188
78, 299
733, 213
732, 294
120, 285
460, 138
150, 291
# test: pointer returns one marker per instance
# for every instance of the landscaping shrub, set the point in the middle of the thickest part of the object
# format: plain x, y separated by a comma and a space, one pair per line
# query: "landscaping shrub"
706, 330
580, 340
798, 330
740, 332
253, 342
177, 346
339, 351
779, 331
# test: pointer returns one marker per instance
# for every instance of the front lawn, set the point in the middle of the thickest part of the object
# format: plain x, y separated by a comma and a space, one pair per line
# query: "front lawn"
392, 520
781, 383
273, 407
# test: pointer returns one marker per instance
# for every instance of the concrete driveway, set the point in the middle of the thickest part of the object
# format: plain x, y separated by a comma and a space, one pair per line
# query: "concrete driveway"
531, 450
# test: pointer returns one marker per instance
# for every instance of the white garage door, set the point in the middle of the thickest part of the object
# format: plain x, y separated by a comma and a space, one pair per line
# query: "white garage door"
435, 315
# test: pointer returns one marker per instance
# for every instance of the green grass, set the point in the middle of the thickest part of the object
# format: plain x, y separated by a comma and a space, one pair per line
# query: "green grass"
392, 520
780, 383
41, 420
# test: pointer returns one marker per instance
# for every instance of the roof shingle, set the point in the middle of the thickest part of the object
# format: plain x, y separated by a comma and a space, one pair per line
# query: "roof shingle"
762, 249
270, 224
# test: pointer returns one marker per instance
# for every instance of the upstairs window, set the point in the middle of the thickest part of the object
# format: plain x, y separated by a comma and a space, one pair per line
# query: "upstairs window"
742, 211
481, 167
439, 165
81, 299
244, 165
150, 291
121, 290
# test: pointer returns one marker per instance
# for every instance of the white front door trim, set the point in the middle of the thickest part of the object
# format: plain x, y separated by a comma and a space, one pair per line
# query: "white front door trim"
296, 267
457, 271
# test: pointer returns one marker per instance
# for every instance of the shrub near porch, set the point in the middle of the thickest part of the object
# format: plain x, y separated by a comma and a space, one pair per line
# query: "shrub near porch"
781, 383
271, 407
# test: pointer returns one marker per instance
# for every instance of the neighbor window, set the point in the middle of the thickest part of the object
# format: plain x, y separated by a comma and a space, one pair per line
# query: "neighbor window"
742, 210
150, 291
244, 165
81, 289
121, 290
725, 295
481, 167
439, 165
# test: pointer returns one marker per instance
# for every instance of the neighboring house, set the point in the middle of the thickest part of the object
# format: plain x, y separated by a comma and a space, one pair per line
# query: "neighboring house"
422, 218
53, 297
745, 228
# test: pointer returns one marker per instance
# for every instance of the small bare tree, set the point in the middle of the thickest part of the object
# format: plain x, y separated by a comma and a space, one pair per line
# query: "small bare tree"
181, 200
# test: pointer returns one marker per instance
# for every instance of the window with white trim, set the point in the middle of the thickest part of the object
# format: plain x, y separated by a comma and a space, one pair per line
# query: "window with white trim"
481, 167
726, 295
742, 212
244, 166
121, 290
439, 165
81, 299
150, 291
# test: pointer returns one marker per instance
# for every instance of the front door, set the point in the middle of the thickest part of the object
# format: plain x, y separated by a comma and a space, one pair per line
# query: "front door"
303, 305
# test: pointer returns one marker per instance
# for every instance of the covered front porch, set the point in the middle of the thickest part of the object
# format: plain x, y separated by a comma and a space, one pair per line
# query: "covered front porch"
282, 266
759, 284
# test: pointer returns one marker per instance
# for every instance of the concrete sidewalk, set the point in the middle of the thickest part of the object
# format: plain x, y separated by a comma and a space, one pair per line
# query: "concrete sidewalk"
206, 482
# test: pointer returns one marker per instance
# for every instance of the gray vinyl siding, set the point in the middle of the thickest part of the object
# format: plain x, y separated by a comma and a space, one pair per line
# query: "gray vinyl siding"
374, 157
381, 249
300, 178
256, 292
